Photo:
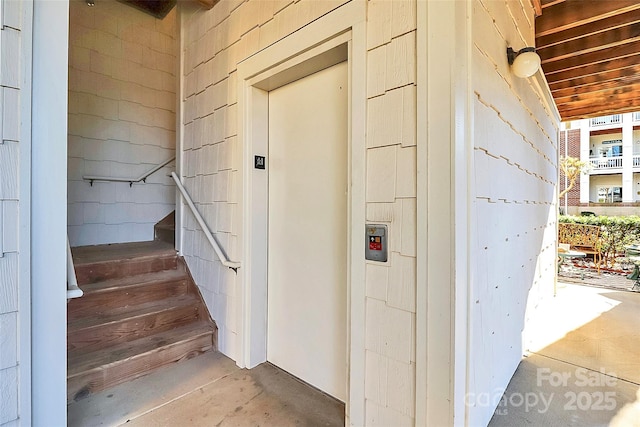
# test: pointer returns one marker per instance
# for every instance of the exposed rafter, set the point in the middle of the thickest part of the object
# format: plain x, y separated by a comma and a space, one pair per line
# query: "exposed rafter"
590, 51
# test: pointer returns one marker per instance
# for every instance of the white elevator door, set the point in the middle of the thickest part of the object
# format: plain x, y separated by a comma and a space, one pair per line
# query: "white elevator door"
307, 267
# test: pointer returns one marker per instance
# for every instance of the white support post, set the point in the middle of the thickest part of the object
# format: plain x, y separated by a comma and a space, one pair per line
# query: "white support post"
49, 213
627, 158
585, 143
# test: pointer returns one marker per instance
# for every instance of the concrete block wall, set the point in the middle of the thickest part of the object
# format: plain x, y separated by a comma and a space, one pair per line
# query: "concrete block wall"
215, 41
10, 148
515, 167
122, 103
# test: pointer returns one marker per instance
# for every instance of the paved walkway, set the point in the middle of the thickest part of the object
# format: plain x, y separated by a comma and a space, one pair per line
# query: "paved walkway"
583, 368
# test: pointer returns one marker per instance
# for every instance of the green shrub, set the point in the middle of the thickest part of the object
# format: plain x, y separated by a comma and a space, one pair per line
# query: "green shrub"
616, 232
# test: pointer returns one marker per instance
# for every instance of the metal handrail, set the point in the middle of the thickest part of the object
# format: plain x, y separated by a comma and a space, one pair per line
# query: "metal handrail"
73, 291
142, 177
212, 240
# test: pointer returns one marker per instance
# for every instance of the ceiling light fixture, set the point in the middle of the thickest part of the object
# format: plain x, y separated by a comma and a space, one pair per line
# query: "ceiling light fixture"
91, 3
525, 62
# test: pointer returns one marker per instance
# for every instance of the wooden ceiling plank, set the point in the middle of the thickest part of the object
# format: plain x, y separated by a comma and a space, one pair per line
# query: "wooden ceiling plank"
595, 57
607, 24
572, 54
605, 98
573, 13
616, 64
594, 87
590, 51
599, 110
548, 3
599, 41
602, 77
620, 92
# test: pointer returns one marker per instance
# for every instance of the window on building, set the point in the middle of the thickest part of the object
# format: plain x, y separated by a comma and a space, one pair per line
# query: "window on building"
609, 194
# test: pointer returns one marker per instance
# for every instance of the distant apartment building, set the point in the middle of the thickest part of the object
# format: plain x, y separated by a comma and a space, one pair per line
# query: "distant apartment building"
611, 147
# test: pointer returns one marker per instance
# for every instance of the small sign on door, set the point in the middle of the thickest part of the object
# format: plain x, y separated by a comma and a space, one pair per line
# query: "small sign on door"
259, 162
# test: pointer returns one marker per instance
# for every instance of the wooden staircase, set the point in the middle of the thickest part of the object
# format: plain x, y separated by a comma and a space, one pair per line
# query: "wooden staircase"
140, 311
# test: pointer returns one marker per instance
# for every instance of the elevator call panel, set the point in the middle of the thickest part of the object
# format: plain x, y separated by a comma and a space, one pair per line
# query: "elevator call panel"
376, 242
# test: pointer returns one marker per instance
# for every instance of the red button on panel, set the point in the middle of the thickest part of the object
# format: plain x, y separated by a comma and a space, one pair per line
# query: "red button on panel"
375, 246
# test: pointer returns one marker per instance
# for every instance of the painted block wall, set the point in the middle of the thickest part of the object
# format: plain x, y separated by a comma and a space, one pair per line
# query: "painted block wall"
122, 103
214, 43
515, 170
10, 146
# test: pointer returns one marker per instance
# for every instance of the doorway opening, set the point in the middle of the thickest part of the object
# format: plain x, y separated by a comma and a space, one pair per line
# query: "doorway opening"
298, 209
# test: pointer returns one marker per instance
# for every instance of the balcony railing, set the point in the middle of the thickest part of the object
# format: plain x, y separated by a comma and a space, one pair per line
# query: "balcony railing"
608, 162
607, 120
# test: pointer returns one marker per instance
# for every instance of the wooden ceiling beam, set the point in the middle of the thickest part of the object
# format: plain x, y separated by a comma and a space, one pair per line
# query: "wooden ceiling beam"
607, 24
592, 69
598, 78
574, 13
595, 87
604, 40
597, 57
590, 51
549, 3
600, 110
604, 96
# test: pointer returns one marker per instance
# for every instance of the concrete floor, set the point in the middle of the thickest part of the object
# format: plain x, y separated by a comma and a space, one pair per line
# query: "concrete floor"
209, 390
584, 365
583, 369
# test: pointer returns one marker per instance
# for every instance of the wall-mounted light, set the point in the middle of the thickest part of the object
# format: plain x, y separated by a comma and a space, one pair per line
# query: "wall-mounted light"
524, 62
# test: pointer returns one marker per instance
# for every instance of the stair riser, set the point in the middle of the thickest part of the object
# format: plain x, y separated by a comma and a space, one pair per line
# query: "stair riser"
101, 302
166, 235
105, 335
97, 272
165, 229
94, 380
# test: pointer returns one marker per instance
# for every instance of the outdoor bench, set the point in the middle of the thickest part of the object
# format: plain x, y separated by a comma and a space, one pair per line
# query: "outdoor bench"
583, 238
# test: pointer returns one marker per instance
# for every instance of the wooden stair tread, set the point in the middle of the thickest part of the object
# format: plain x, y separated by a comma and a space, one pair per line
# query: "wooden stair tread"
123, 283
121, 251
78, 364
93, 320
